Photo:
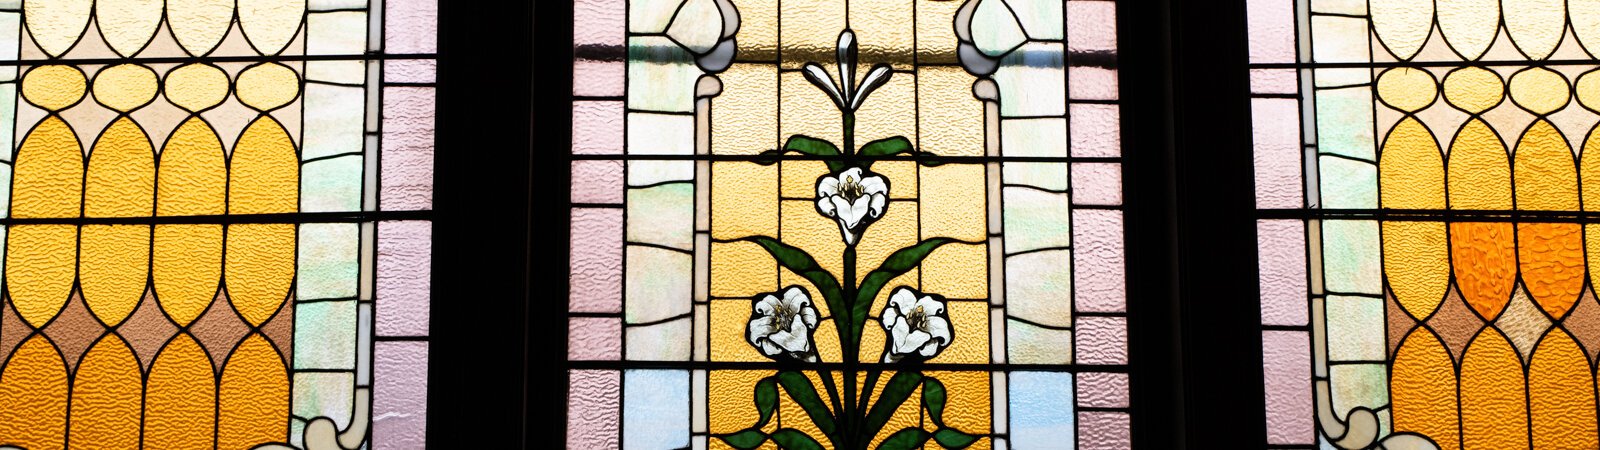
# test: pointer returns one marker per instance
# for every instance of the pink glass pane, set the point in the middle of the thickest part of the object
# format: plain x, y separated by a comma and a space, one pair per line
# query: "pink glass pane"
407, 148
404, 263
1096, 130
596, 277
594, 338
597, 182
1286, 365
411, 26
1102, 340
597, 128
1271, 31
1104, 430
1099, 267
400, 396
1276, 125
1103, 390
1097, 184
1281, 245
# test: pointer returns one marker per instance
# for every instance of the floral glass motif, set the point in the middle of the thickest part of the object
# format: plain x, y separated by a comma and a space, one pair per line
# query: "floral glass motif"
1425, 176
216, 223
874, 224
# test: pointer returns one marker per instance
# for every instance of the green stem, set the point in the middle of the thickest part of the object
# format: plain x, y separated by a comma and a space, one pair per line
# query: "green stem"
851, 346
849, 133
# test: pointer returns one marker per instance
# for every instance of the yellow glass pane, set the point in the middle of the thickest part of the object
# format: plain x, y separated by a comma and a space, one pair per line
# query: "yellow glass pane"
106, 396
264, 174
967, 401
48, 178
180, 398
897, 229
951, 118
1416, 261
730, 320
1561, 395
744, 269
969, 322
1407, 89
34, 386
730, 402
819, 236
743, 200
40, 263
746, 119
194, 174
758, 30
1547, 179
1494, 410
936, 38
1485, 260
112, 268
885, 31
890, 111
907, 415
958, 271
195, 87
810, 32
54, 87
253, 402
804, 109
1423, 386
954, 202
1480, 170
125, 87
259, 268
121, 177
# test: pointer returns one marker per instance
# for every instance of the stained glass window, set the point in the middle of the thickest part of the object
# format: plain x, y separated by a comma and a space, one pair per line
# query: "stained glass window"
1424, 176
216, 223
846, 224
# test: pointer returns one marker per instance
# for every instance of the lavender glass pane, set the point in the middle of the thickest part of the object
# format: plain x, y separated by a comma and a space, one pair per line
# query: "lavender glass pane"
1274, 81
596, 181
596, 252
411, 26
1097, 184
593, 401
598, 78
405, 259
407, 148
410, 71
597, 128
1286, 368
1102, 340
594, 338
400, 396
1276, 128
1096, 130
1103, 430
1091, 26
1272, 31
598, 24
1101, 272
1103, 390
1281, 247
1091, 83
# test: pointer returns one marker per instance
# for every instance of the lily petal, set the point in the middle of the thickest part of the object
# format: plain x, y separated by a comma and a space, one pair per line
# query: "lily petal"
853, 173
809, 316
820, 77
930, 306
847, 213
769, 348
828, 186
890, 317
795, 298
825, 206
929, 349
873, 184
913, 341
939, 329
758, 329
767, 304
903, 299
857, 211
847, 62
877, 205
876, 78
849, 238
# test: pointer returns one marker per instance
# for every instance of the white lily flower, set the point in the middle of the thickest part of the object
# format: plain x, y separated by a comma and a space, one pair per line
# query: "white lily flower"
918, 326
781, 327
855, 198
846, 94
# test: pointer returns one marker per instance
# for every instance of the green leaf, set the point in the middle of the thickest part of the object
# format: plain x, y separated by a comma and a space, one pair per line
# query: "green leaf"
803, 264
766, 399
933, 399
890, 147
894, 394
952, 439
808, 146
905, 439
744, 440
898, 263
793, 439
804, 393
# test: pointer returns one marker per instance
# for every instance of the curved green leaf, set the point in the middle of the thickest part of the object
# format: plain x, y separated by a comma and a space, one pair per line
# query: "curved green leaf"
805, 145
766, 399
804, 393
952, 439
933, 397
803, 264
894, 394
890, 147
898, 263
905, 439
744, 440
793, 439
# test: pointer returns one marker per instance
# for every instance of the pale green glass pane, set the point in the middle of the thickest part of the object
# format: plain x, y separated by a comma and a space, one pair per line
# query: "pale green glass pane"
1039, 287
321, 394
660, 134
650, 16
335, 33
662, 215
1051, 176
1041, 19
1347, 184
660, 342
333, 120
1342, 77
1032, 80
1365, 385
328, 262
995, 29
325, 335
661, 75
10, 29
697, 25
658, 284
8, 116
1028, 344
650, 173
1351, 7
1045, 137
1344, 122
324, 5
1339, 39
1035, 219
1351, 257
331, 185
1355, 328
